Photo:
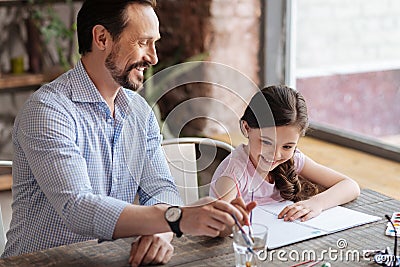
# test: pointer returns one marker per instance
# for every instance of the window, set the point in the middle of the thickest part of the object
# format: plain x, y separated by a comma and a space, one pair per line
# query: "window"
344, 57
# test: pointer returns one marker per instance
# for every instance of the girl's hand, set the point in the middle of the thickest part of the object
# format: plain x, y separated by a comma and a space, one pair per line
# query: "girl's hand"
304, 210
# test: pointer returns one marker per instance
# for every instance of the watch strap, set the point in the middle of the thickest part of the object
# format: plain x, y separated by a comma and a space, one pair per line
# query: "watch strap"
175, 225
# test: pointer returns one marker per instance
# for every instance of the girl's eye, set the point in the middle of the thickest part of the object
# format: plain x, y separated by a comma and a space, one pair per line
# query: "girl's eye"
265, 142
287, 147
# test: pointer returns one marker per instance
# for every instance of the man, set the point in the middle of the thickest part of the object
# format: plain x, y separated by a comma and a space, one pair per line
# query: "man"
85, 146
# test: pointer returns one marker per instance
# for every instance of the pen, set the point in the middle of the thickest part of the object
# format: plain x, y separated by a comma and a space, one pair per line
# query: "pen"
301, 263
240, 195
251, 213
246, 238
312, 263
315, 263
237, 186
251, 219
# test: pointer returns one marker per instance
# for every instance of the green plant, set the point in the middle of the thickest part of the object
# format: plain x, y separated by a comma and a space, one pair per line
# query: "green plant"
55, 32
153, 91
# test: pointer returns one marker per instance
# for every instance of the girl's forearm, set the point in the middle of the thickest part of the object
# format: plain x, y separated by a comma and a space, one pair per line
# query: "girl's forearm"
340, 193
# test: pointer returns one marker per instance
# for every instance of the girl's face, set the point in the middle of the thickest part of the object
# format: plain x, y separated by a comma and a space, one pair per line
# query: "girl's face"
271, 146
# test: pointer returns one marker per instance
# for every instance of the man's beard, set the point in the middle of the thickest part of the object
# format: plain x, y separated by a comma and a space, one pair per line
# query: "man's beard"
122, 76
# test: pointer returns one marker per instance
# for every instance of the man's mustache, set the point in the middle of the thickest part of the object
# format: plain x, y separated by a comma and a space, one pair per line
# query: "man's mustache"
140, 64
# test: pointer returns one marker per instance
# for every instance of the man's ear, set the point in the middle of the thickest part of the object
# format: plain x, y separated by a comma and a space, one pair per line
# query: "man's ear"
101, 37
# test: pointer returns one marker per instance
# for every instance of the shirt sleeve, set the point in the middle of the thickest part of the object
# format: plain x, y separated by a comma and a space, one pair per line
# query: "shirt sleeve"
157, 184
232, 168
46, 134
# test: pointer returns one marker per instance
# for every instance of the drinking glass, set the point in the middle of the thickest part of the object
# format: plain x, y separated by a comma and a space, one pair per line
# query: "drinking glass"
243, 256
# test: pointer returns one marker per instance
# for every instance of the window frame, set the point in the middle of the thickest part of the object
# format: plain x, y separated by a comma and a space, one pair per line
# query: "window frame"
279, 66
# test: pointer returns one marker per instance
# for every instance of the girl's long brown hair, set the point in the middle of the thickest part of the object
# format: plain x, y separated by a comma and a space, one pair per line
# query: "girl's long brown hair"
280, 105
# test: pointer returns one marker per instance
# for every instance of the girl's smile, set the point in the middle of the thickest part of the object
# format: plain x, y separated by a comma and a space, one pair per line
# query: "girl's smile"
271, 146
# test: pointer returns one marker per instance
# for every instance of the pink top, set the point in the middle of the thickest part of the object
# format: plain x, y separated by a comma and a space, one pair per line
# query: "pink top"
238, 166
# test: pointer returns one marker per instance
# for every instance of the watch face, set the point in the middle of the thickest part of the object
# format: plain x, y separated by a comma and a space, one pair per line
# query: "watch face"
173, 214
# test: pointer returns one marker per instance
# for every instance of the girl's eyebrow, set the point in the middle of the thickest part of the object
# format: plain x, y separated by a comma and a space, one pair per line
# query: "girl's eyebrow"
267, 137
272, 140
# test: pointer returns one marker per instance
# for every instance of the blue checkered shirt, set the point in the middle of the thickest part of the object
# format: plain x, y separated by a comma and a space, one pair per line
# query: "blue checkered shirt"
76, 167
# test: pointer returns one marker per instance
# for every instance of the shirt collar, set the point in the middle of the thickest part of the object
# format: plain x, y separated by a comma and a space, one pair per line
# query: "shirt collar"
83, 89
123, 103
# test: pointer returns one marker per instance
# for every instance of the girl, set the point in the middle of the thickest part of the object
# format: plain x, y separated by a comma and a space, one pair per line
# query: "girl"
269, 167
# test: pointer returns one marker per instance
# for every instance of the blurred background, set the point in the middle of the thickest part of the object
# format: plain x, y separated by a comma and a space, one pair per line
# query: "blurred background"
343, 56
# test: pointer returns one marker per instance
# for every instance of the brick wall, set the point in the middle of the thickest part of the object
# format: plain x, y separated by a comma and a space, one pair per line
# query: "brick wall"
184, 26
225, 32
236, 43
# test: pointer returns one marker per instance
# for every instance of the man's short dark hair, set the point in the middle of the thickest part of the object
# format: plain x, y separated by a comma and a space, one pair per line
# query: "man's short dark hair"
108, 13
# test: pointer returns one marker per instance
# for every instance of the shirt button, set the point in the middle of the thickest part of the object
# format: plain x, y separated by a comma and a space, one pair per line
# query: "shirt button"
108, 120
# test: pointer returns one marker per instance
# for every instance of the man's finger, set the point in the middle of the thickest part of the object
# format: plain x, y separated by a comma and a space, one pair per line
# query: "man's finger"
163, 254
140, 249
250, 206
238, 202
228, 208
152, 253
168, 256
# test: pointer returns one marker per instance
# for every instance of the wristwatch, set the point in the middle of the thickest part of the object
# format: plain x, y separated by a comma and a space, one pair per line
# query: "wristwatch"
173, 217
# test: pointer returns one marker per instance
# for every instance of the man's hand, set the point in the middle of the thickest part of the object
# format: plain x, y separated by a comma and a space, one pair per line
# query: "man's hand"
208, 216
152, 249
244, 208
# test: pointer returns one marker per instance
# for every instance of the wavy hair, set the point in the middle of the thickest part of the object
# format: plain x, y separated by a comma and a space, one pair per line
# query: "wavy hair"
280, 105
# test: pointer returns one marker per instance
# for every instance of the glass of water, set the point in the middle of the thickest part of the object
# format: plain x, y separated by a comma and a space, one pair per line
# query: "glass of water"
245, 257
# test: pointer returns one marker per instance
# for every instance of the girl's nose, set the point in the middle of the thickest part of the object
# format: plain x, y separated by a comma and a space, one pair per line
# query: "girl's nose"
277, 154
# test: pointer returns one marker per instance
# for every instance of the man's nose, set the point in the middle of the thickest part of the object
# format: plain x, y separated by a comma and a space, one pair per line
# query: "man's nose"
151, 55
